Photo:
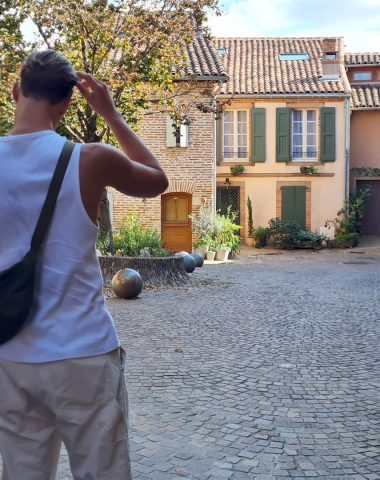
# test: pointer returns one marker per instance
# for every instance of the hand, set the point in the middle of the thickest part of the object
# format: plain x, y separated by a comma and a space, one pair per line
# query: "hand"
97, 95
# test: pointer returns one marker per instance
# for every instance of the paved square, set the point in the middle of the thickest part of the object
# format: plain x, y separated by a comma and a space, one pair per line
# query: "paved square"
267, 369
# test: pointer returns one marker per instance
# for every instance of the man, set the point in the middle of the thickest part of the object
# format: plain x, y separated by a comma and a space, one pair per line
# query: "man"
62, 377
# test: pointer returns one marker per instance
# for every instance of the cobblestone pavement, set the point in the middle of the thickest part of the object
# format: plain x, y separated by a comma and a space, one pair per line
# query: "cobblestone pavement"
266, 369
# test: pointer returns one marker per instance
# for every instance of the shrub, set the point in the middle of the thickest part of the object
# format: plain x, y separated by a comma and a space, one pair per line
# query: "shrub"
226, 231
134, 240
349, 239
283, 233
349, 219
312, 237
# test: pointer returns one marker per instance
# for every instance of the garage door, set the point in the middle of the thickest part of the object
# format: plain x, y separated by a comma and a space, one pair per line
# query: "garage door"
371, 221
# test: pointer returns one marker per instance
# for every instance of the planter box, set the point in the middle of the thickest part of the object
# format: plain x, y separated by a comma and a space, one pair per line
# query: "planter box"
210, 256
222, 254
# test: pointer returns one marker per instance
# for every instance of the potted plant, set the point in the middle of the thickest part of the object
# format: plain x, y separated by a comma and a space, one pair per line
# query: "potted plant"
249, 240
308, 170
237, 170
308, 239
226, 238
203, 226
260, 237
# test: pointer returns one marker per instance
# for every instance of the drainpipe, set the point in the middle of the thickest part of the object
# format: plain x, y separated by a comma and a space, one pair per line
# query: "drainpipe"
214, 160
347, 116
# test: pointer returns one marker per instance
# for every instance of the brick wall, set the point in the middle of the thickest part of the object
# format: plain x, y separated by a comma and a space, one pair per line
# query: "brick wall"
189, 169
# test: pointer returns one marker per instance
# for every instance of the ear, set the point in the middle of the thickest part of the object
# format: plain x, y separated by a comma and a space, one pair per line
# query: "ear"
16, 91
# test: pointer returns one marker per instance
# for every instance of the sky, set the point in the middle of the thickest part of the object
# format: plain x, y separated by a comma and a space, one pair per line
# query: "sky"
358, 21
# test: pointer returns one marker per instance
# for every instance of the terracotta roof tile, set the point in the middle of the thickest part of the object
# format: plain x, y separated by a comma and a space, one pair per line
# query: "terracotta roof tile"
204, 60
254, 67
369, 58
365, 96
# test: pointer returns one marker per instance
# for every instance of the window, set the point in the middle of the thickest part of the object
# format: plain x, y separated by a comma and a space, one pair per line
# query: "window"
304, 135
177, 136
294, 56
363, 76
235, 135
222, 51
329, 56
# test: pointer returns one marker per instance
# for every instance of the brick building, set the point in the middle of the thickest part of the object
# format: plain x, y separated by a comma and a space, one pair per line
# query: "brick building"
188, 159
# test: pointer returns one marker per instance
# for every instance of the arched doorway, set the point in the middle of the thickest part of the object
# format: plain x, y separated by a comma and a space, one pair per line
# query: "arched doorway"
175, 222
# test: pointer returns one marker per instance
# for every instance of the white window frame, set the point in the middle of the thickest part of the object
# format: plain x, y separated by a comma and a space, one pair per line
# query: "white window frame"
363, 79
235, 158
304, 157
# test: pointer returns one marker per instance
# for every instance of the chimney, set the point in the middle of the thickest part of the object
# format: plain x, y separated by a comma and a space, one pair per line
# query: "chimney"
330, 60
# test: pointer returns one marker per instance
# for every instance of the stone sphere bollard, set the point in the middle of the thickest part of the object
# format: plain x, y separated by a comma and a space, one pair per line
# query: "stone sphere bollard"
190, 263
199, 260
127, 283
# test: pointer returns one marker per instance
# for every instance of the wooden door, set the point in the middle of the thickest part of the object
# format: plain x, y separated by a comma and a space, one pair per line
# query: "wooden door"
175, 221
293, 205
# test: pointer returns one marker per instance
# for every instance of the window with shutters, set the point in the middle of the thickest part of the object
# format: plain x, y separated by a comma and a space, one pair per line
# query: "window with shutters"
304, 135
177, 136
235, 135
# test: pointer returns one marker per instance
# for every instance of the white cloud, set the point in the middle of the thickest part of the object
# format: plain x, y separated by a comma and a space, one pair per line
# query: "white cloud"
358, 21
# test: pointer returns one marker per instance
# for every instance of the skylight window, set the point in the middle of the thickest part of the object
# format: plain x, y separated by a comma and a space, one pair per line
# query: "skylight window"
294, 56
222, 51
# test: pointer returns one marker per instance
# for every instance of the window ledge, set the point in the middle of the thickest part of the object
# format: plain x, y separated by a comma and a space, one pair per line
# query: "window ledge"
300, 163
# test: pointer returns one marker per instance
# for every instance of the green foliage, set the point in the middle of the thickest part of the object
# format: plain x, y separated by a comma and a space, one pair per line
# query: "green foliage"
133, 240
308, 169
237, 170
349, 239
260, 237
250, 218
226, 231
349, 219
312, 237
284, 234
103, 243
133, 45
216, 231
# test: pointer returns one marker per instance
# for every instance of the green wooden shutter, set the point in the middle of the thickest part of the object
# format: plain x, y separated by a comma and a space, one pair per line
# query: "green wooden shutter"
328, 134
258, 134
283, 134
218, 139
293, 205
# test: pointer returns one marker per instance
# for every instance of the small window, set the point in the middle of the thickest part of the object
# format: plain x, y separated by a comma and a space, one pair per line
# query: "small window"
222, 51
177, 136
294, 56
330, 56
363, 76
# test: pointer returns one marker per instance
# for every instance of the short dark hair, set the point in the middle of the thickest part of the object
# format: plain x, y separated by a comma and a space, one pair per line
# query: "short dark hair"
47, 75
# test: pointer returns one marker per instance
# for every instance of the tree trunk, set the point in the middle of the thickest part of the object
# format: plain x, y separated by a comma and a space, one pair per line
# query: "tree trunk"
104, 219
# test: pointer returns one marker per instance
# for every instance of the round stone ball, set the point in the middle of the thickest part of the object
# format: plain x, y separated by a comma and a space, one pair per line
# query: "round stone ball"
199, 260
127, 283
190, 263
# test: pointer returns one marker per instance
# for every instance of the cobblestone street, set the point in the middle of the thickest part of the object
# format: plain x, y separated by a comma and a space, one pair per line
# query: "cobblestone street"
268, 368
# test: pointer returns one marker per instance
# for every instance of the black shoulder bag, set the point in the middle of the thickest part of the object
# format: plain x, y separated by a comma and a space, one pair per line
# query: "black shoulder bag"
17, 283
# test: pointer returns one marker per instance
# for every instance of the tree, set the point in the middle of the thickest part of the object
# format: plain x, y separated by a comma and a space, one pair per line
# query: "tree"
136, 46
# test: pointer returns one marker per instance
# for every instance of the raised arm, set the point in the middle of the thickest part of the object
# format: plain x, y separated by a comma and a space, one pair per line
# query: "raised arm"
134, 171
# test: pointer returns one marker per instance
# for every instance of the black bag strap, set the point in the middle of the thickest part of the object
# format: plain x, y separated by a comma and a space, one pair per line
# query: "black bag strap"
51, 198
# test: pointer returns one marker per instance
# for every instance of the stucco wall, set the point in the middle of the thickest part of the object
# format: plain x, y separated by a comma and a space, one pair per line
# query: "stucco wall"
365, 139
327, 192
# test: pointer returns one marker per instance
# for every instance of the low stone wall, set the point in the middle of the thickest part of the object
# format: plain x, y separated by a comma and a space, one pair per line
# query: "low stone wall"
155, 271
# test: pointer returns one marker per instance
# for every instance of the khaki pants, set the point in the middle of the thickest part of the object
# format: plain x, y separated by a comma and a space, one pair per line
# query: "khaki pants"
82, 402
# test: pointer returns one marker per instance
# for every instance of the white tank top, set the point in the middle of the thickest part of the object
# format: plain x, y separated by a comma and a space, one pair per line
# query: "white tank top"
70, 320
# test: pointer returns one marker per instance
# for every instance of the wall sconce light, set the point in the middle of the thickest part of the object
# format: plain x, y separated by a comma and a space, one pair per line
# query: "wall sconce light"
227, 182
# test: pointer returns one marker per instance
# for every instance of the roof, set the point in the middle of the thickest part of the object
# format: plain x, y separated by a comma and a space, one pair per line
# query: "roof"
365, 97
254, 67
357, 59
204, 61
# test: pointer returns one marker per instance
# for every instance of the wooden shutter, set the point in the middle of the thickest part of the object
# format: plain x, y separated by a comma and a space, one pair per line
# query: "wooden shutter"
258, 134
184, 135
283, 134
218, 139
293, 204
171, 140
328, 134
